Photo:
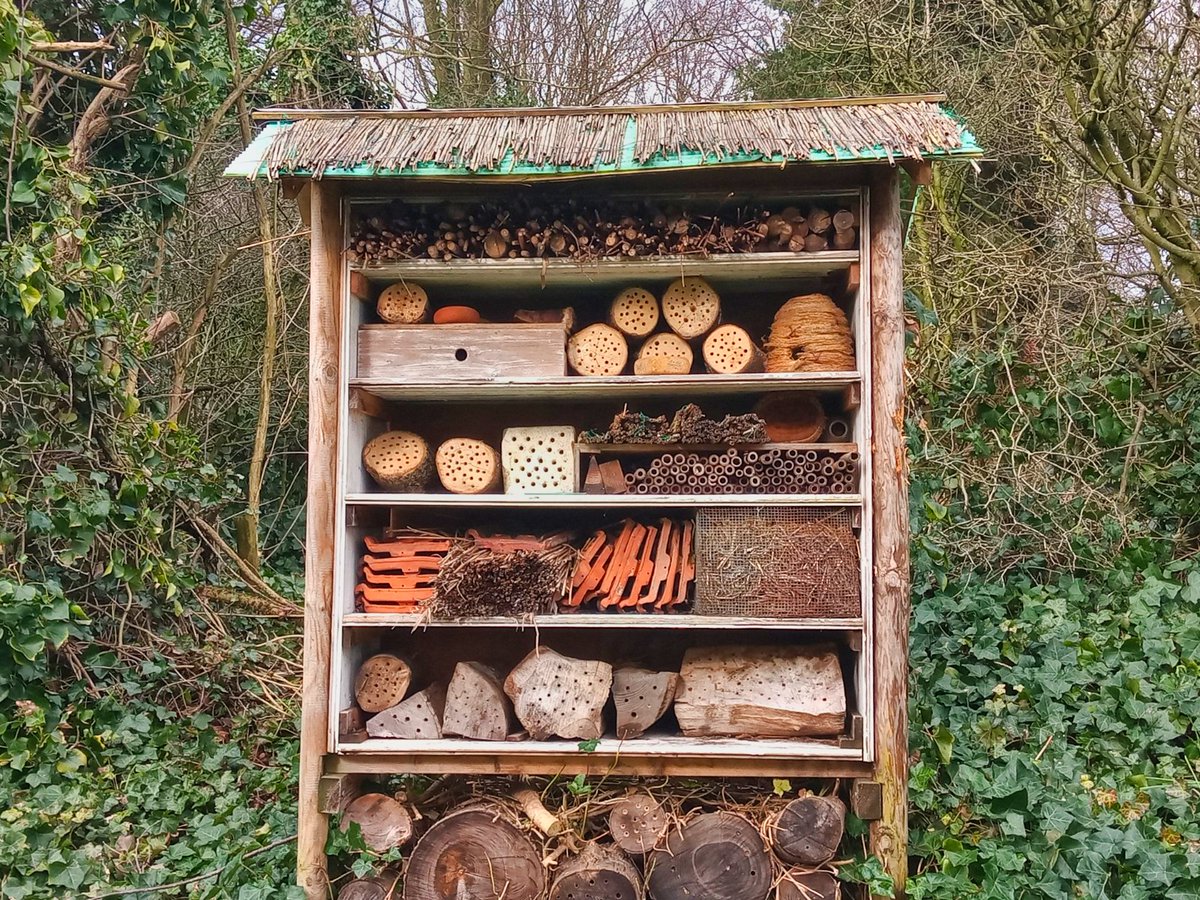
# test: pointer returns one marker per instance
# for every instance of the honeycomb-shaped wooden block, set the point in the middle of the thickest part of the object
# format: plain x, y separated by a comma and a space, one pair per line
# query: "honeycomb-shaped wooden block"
539, 460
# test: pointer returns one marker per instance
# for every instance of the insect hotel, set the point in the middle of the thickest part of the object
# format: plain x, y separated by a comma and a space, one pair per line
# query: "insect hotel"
606, 483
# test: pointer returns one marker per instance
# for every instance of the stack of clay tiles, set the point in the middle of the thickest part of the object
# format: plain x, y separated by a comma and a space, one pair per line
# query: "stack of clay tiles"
399, 571
635, 567
810, 334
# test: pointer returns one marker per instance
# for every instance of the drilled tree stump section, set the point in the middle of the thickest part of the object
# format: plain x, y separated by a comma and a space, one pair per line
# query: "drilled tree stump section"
729, 350
597, 873
384, 886
743, 691
637, 823
383, 821
399, 461
476, 706
792, 418
474, 854
382, 682
557, 695
691, 307
403, 304
634, 312
468, 466
597, 350
808, 831
417, 718
800, 884
664, 354
715, 856
642, 697
539, 460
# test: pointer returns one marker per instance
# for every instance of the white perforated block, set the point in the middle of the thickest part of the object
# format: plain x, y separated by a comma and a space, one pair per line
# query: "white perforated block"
539, 460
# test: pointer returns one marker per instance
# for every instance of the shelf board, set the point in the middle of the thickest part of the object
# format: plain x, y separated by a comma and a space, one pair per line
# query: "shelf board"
634, 449
600, 501
602, 620
575, 387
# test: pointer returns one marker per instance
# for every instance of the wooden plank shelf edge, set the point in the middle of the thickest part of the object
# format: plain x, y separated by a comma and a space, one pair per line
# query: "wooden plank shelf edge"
590, 620
600, 501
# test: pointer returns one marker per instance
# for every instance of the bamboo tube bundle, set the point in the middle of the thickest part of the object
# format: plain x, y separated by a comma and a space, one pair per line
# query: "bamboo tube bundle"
403, 303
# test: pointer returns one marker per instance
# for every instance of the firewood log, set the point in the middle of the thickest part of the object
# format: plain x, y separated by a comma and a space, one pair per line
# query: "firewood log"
808, 831
554, 695
717, 856
691, 307
729, 350
642, 697
845, 219
597, 350
475, 853
844, 239
382, 682
801, 884
383, 821
417, 718
476, 706
495, 245
360, 286
468, 466
598, 873
403, 303
384, 886
637, 823
634, 312
664, 354
819, 220
815, 243
399, 461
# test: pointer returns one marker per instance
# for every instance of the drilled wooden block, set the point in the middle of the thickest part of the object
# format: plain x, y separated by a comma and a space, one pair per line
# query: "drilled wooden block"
539, 460
482, 352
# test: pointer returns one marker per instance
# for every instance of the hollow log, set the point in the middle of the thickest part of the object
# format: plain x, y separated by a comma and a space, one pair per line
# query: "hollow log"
691, 307
664, 354
474, 854
554, 694
417, 718
729, 350
598, 873
634, 312
403, 303
382, 820
476, 706
468, 466
382, 682
800, 884
717, 856
808, 831
597, 350
399, 461
384, 886
637, 823
642, 697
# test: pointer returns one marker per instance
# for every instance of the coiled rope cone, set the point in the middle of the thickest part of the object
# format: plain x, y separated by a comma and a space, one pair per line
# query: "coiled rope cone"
810, 334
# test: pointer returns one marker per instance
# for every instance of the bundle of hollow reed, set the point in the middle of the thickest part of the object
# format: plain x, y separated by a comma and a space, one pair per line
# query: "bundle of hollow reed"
503, 577
768, 470
689, 425
810, 334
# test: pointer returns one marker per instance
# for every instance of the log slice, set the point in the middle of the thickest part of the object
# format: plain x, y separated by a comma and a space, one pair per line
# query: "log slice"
598, 873
716, 856
382, 820
808, 831
403, 304
382, 682
637, 823
805, 885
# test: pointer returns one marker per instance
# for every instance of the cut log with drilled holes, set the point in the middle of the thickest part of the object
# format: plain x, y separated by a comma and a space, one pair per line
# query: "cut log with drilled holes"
599, 872
637, 823
399, 461
714, 856
383, 821
744, 691
417, 718
403, 303
474, 854
691, 307
468, 466
634, 312
384, 886
476, 706
556, 695
597, 350
808, 831
382, 682
729, 350
642, 697
792, 418
664, 354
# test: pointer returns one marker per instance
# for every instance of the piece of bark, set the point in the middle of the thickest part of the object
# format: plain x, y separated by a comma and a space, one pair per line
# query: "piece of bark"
691, 307
637, 823
417, 718
382, 681
403, 303
642, 697
556, 695
564, 316
593, 482
468, 466
399, 461
531, 804
612, 477
634, 312
597, 350
664, 354
474, 854
800, 884
598, 872
383, 821
729, 350
360, 286
384, 886
476, 706
808, 831
745, 691
716, 856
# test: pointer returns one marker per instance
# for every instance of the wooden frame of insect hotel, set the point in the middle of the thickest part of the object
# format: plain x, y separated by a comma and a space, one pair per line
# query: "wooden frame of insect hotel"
606, 457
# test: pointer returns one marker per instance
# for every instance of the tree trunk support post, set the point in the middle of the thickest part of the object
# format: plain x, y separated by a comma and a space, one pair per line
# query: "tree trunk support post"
889, 833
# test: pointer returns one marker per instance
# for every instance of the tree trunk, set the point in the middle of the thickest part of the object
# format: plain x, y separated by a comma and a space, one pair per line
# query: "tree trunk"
476, 706
557, 695
382, 682
382, 820
598, 873
808, 831
642, 697
637, 823
715, 856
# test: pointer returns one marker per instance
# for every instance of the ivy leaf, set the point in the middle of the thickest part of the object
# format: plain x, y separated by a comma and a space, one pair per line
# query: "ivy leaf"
589, 745
781, 786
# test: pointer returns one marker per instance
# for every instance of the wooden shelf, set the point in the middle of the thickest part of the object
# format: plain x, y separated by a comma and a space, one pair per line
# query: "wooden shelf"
604, 620
642, 449
600, 501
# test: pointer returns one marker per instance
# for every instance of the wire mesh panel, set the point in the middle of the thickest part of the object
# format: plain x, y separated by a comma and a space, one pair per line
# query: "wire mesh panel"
787, 563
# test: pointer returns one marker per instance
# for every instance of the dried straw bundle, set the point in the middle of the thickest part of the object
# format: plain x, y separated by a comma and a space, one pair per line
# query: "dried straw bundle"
476, 580
810, 334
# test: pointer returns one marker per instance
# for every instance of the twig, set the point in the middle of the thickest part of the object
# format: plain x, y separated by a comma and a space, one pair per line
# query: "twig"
125, 892
69, 46
75, 73
252, 578
1133, 439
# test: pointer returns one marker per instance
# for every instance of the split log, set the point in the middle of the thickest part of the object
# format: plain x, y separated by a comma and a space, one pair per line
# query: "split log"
729, 350
474, 854
384, 886
399, 461
743, 691
383, 821
612, 477
637, 823
417, 718
593, 481
803, 885
531, 804
642, 697
664, 354
557, 695
468, 466
634, 312
808, 831
691, 307
597, 873
476, 706
403, 303
382, 682
792, 418
597, 350
717, 856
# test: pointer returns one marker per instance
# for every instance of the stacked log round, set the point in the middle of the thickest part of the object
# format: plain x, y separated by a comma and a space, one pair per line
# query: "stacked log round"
597, 350
399, 461
810, 334
403, 303
785, 470
634, 312
664, 354
691, 307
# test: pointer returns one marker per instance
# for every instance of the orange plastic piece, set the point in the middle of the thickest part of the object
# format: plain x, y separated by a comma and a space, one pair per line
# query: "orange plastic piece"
456, 315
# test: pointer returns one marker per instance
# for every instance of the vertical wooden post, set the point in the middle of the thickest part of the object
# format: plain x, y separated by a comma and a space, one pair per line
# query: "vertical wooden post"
324, 335
889, 834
